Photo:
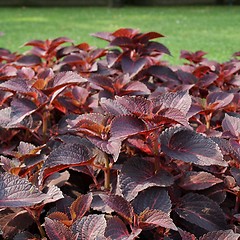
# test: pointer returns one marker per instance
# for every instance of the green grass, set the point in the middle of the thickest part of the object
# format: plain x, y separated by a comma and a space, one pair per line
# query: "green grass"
209, 28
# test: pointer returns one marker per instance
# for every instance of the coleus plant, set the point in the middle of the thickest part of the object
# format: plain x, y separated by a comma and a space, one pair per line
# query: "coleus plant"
115, 143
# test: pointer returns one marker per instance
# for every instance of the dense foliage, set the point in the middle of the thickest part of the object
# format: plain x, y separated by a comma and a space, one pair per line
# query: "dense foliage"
116, 144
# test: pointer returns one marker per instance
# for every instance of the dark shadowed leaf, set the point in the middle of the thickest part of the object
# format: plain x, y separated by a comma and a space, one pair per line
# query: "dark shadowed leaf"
157, 47
117, 230
90, 227
198, 180
202, 211
119, 205
125, 126
19, 192
58, 231
80, 206
123, 42
186, 145
25, 236
132, 67
155, 218
186, 235
221, 235
28, 60
236, 174
163, 73
138, 174
231, 125
152, 198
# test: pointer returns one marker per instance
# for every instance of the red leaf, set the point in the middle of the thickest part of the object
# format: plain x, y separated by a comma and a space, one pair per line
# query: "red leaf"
202, 211
152, 198
80, 206
155, 218
125, 126
28, 61
58, 231
138, 174
186, 145
220, 235
120, 205
117, 230
90, 227
198, 180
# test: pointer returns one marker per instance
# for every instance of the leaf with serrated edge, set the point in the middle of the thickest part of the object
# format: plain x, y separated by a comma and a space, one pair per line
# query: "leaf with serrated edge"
152, 198
58, 231
90, 227
155, 218
119, 205
198, 180
202, 211
117, 230
221, 235
138, 174
19, 192
186, 235
189, 146
80, 206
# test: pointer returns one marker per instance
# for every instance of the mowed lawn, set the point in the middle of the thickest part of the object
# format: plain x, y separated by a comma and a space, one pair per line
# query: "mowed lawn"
215, 30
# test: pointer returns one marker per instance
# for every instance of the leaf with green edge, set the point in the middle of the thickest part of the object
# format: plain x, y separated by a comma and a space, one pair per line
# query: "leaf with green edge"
125, 126
117, 230
120, 205
202, 211
58, 231
198, 180
90, 227
152, 198
221, 235
153, 218
19, 192
189, 146
138, 174
81, 205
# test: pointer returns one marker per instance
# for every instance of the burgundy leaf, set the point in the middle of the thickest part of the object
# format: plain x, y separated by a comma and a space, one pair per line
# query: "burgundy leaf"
232, 125
152, 198
144, 37
198, 180
123, 42
216, 100
138, 174
132, 67
25, 236
19, 192
64, 78
220, 235
117, 230
125, 32
80, 206
186, 235
202, 211
163, 73
90, 227
28, 60
20, 108
19, 85
157, 47
186, 145
135, 88
125, 126
69, 154
236, 174
58, 231
119, 205
155, 218
178, 100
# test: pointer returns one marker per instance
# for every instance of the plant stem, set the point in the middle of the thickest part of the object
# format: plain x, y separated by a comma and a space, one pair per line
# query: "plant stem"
40, 228
45, 125
107, 174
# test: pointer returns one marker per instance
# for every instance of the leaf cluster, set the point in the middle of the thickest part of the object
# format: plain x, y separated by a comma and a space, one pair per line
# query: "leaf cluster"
115, 143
